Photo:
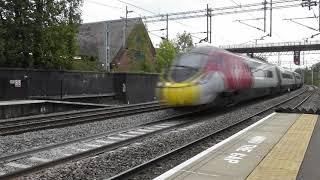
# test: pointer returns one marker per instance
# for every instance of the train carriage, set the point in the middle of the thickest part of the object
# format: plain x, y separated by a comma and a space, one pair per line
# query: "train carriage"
288, 80
209, 75
298, 80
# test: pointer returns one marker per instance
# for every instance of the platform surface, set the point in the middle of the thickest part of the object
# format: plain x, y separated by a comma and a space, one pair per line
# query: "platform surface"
279, 146
21, 102
15, 102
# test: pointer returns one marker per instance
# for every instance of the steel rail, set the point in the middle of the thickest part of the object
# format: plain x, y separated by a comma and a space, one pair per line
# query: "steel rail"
51, 146
7, 124
54, 115
138, 168
304, 100
31, 125
94, 151
90, 152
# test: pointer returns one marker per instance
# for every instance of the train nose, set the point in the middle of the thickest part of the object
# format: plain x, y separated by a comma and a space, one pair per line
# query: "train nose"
180, 94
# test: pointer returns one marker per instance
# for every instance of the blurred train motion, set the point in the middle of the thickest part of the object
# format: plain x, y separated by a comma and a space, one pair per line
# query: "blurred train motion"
209, 75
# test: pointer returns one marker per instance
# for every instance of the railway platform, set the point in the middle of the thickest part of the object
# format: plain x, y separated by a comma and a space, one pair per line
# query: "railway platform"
21, 108
279, 146
22, 102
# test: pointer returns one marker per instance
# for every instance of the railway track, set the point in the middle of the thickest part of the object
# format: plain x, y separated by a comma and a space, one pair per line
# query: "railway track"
304, 100
25, 124
23, 163
301, 106
135, 170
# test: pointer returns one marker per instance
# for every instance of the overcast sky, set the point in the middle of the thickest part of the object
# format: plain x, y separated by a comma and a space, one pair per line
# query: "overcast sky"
225, 29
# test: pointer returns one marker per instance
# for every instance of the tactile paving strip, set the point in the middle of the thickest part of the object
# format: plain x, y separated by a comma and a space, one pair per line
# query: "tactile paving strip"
284, 160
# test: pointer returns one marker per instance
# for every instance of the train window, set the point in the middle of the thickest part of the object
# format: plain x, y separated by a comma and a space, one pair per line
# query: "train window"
191, 60
290, 76
259, 73
253, 65
186, 67
287, 76
269, 74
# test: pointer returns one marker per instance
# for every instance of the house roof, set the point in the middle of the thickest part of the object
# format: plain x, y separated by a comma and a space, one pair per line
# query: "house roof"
95, 38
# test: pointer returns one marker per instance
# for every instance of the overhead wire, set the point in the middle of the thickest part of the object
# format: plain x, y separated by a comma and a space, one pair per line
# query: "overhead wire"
221, 8
309, 27
253, 7
241, 7
249, 15
149, 11
156, 35
146, 10
195, 36
314, 14
102, 4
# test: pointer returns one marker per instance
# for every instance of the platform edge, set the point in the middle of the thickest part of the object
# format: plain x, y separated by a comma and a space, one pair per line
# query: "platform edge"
205, 152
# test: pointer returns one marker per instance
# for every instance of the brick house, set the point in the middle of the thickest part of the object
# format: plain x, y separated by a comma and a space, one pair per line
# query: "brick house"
120, 45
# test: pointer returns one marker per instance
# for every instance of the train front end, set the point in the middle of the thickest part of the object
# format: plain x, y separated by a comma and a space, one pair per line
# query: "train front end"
179, 94
180, 84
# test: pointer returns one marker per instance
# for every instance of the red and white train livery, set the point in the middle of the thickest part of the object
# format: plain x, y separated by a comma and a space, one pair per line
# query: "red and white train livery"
209, 75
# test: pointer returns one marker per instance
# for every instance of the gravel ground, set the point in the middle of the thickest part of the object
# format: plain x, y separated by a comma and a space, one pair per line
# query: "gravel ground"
25, 141
111, 163
177, 158
318, 102
295, 101
313, 102
311, 105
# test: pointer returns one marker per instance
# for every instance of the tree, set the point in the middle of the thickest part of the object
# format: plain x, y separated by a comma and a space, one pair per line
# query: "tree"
38, 34
165, 55
183, 42
316, 67
307, 74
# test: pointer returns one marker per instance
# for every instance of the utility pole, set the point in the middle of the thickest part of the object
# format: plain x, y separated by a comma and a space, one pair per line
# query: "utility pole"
108, 61
210, 25
302, 57
207, 22
270, 33
167, 27
312, 75
306, 70
265, 15
125, 27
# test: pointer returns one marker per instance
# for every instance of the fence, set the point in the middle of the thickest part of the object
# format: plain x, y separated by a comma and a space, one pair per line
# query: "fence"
312, 78
127, 87
21, 84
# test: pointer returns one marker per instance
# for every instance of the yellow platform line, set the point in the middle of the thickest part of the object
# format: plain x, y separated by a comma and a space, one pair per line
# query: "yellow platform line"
284, 160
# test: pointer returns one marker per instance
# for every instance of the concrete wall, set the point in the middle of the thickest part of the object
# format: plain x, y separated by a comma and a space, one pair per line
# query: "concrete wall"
134, 87
19, 110
141, 87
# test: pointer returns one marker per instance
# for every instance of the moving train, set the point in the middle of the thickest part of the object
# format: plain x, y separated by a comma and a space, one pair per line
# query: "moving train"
209, 75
